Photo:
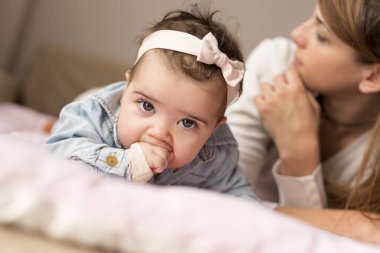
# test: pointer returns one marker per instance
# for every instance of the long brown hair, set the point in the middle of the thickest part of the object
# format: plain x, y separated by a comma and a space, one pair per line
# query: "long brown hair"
365, 196
357, 23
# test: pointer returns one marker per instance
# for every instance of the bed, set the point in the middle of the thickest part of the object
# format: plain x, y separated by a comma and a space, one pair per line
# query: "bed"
48, 204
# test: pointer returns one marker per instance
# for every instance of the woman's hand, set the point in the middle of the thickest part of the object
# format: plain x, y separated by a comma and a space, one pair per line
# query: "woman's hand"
290, 114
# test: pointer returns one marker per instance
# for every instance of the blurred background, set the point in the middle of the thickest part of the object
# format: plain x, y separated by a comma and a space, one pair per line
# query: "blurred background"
82, 38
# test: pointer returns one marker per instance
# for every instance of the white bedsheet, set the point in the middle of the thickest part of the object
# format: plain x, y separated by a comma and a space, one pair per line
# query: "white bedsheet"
44, 193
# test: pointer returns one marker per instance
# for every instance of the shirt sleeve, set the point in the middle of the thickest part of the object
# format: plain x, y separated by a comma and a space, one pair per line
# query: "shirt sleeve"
85, 134
138, 166
305, 192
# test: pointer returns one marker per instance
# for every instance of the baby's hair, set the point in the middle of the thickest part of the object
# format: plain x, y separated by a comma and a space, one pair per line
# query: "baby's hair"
196, 22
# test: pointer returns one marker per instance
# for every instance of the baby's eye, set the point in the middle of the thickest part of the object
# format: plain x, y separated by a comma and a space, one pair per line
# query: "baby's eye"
146, 106
188, 123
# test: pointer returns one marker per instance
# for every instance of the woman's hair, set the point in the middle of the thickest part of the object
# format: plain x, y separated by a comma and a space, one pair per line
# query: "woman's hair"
357, 23
198, 23
366, 194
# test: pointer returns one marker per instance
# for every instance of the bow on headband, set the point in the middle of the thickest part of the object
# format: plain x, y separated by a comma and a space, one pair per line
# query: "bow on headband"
206, 50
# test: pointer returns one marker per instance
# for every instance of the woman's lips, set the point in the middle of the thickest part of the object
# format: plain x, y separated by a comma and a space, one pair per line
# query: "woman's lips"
297, 62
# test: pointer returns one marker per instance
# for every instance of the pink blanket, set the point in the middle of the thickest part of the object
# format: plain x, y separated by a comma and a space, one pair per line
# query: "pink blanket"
41, 192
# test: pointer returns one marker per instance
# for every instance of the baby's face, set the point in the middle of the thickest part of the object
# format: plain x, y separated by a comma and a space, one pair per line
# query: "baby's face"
168, 109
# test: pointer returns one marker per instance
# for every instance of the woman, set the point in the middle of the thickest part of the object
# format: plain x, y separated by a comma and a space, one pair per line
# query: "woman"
307, 107
318, 143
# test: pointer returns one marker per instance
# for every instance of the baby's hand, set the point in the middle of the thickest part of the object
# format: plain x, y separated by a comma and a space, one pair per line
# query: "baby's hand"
157, 157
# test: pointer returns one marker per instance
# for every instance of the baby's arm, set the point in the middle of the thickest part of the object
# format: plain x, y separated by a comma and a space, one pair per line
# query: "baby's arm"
85, 134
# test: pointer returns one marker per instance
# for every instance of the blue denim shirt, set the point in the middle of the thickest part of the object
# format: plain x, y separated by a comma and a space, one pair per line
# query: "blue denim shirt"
86, 132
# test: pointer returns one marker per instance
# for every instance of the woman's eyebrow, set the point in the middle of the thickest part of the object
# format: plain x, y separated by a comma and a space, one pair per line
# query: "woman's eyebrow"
322, 23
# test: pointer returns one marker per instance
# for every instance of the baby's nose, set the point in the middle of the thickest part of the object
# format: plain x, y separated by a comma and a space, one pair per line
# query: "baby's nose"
160, 131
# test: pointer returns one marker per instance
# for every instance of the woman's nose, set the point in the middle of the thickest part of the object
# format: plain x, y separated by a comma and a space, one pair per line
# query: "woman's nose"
298, 35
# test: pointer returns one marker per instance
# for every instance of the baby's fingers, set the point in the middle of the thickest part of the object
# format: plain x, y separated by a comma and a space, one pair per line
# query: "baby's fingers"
159, 160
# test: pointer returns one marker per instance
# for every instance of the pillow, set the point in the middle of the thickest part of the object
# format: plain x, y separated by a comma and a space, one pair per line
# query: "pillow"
43, 193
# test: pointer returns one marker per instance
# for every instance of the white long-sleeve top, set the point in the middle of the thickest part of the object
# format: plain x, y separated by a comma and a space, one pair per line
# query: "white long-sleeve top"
258, 155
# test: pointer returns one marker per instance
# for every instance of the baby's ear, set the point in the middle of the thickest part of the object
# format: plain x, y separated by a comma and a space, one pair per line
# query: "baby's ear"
371, 80
128, 75
221, 121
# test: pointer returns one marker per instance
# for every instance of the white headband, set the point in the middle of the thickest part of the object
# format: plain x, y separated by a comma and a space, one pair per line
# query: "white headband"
206, 50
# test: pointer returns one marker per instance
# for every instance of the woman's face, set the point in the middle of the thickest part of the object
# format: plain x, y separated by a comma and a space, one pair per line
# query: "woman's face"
325, 63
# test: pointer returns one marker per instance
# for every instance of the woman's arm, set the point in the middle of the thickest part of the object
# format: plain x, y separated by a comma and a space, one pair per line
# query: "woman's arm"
290, 114
268, 59
349, 223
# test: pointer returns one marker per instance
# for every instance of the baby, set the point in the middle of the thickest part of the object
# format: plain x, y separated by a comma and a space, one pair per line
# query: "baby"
165, 125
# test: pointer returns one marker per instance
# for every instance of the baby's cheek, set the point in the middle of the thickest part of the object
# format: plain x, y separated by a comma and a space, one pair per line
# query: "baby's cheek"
184, 156
130, 127
125, 137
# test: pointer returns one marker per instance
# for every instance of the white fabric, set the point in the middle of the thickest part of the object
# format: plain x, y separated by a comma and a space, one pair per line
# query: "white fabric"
59, 199
206, 50
292, 189
172, 40
257, 152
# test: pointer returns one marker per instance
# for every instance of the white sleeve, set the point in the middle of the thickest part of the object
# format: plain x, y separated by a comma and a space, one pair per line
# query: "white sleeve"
269, 58
307, 191
138, 167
